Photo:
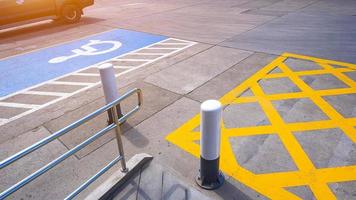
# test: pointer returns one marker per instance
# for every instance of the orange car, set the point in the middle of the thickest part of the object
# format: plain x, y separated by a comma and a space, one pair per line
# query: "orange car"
13, 11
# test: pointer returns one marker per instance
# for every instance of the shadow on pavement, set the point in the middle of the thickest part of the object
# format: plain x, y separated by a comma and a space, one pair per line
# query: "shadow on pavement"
49, 25
134, 136
229, 191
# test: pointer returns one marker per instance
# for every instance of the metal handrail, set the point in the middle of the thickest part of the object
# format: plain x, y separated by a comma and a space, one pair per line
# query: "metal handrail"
115, 125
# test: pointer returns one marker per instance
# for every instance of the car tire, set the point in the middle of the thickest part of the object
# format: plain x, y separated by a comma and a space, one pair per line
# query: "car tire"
70, 13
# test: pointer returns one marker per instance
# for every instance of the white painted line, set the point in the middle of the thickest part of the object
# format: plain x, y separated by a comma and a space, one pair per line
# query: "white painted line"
124, 67
90, 85
149, 54
18, 105
46, 104
134, 60
86, 74
163, 48
69, 83
133, 4
3, 121
156, 59
172, 43
59, 94
184, 41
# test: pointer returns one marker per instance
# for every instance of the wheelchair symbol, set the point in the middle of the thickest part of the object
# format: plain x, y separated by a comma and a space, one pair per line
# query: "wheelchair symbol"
87, 50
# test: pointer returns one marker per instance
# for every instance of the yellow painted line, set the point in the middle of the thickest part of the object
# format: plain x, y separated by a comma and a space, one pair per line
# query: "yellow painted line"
297, 178
309, 72
273, 185
320, 60
337, 73
296, 95
318, 100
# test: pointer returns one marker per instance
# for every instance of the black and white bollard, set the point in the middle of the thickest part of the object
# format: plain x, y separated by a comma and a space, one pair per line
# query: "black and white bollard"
210, 177
108, 80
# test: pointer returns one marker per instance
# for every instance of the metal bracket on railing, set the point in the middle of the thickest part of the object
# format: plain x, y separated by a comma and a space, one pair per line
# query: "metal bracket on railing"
115, 125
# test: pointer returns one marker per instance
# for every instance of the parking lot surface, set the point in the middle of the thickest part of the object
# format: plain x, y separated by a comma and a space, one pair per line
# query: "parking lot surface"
284, 70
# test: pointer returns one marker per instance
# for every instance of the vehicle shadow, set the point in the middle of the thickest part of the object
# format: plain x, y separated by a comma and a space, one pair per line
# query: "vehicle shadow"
50, 26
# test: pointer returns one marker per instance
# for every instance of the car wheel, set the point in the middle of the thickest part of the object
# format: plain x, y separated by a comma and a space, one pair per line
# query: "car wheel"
70, 13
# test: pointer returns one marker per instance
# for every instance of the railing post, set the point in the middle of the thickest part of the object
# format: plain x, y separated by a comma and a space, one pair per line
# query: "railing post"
210, 177
118, 138
108, 80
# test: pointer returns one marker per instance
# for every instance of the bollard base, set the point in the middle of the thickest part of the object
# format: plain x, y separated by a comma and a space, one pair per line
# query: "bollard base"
210, 185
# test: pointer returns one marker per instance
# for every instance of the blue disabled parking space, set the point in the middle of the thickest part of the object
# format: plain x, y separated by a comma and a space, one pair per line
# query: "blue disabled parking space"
26, 70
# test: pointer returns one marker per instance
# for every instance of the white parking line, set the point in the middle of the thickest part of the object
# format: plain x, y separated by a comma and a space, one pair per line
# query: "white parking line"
163, 48
69, 83
134, 60
172, 43
124, 67
148, 54
18, 105
61, 96
3, 121
86, 74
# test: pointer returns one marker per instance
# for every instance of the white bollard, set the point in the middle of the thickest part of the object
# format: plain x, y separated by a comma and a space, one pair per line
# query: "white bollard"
108, 80
210, 177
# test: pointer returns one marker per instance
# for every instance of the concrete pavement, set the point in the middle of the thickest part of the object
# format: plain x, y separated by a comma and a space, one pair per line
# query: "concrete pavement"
235, 40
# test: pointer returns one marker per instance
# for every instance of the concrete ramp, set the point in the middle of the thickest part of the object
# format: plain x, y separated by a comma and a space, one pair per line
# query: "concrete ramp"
147, 180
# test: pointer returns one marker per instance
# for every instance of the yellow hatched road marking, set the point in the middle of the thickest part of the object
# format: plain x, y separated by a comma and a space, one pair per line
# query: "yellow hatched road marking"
273, 185
310, 72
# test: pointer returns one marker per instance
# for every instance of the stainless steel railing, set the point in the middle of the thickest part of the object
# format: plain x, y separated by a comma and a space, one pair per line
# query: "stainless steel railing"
115, 125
